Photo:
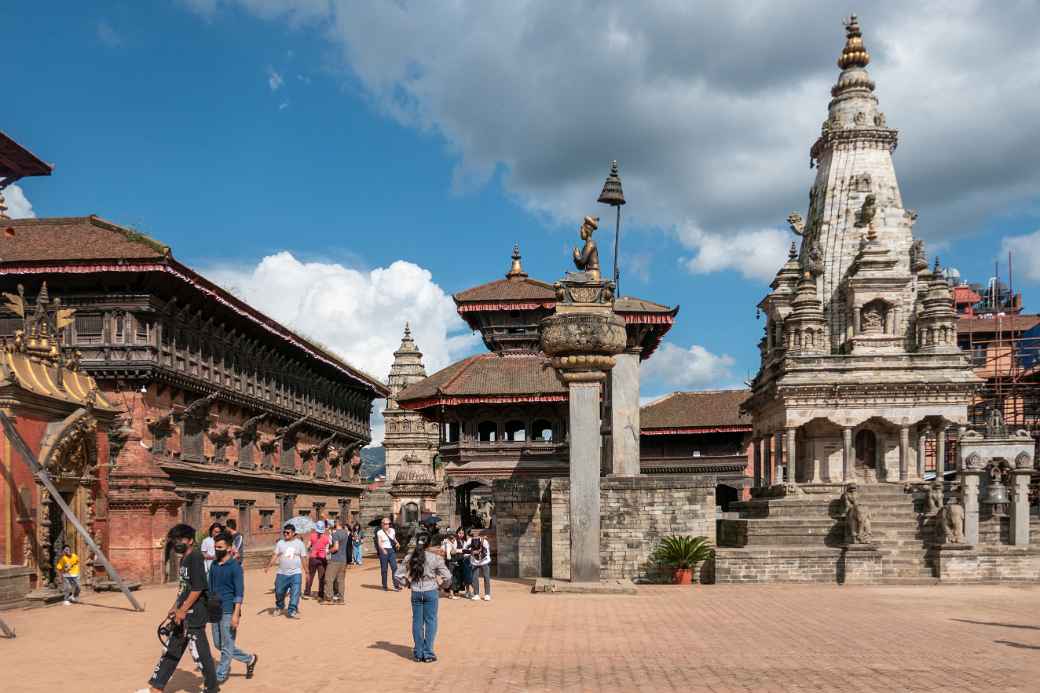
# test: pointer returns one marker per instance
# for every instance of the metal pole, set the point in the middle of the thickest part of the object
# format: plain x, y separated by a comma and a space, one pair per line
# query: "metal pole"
41, 474
617, 241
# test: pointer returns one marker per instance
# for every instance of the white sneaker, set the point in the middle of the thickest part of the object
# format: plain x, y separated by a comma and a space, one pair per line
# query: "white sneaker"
67, 603
475, 597
487, 597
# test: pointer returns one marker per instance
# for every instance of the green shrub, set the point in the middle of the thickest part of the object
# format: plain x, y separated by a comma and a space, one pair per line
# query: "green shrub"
682, 552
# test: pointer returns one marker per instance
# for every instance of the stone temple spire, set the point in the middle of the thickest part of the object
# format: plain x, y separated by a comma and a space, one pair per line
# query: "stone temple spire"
855, 199
407, 367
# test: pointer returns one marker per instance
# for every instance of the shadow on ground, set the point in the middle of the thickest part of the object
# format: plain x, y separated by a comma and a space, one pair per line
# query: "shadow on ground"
1019, 645
399, 650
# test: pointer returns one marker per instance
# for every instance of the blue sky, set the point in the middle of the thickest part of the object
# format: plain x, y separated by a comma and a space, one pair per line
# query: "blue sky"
314, 138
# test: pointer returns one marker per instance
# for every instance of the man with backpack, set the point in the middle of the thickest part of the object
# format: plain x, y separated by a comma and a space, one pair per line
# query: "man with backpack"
189, 615
387, 546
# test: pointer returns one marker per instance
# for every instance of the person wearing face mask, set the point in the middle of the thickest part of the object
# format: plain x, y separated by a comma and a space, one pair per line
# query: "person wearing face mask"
226, 581
189, 615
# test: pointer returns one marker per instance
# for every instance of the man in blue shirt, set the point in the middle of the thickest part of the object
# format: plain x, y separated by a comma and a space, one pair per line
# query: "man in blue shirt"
226, 582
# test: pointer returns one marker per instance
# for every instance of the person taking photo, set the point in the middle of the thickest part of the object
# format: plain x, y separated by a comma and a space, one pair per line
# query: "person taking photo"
386, 544
423, 571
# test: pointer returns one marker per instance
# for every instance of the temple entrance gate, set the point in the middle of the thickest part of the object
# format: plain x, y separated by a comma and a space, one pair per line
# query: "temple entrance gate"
866, 455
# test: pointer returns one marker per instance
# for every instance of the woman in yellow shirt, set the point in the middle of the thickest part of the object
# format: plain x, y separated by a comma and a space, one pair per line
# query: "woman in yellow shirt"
68, 566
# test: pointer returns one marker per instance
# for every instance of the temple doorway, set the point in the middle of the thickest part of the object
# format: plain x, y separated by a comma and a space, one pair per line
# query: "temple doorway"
724, 495
866, 455
474, 505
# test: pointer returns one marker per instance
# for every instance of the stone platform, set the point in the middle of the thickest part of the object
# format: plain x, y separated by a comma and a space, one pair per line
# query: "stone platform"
551, 586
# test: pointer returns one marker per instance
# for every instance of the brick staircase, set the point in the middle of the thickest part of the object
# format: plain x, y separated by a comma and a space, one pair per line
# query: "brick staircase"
799, 538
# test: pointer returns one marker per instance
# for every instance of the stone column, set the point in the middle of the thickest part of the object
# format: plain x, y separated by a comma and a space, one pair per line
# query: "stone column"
970, 502
904, 452
582, 337
847, 454
792, 457
584, 475
961, 430
778, 452
940, 451
757, 453
624, 409
922, 443
1020, 506
767, 458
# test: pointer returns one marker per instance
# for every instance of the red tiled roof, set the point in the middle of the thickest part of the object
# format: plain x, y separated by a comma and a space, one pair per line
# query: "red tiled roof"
1004, 323
510, 289
488, 378
708, 409
18, 162
69, 239
85, 245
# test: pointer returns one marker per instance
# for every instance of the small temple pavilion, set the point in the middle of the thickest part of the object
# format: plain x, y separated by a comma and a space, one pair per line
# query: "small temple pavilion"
503, 413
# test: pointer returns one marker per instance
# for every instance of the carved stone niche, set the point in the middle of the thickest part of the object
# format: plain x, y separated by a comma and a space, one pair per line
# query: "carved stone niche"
874, 318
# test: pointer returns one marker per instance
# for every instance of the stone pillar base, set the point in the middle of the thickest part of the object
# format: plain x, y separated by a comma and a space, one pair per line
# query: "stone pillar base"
861, 564
957, 562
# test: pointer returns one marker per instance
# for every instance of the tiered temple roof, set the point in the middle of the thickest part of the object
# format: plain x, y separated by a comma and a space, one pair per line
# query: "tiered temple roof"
707, 411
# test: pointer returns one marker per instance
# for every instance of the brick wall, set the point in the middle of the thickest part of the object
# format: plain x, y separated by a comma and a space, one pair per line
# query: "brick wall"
779, 564
635, 513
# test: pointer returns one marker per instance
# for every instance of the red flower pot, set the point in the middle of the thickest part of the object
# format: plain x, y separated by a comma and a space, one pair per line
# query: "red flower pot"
683, 576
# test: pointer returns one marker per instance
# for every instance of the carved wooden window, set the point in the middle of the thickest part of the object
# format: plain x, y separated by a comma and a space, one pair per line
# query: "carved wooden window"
451, 432
287, 461
266, 519
119, 324
246, 450
143, 331
245, 518
90, 328
287, 503
220, 516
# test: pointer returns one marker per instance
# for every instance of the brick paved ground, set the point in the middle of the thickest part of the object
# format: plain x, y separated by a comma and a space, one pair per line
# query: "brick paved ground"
708, 638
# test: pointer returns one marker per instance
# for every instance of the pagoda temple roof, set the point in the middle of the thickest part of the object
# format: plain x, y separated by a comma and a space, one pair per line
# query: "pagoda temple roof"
488, 379
505, 293
18, 162
87, 245
707, 411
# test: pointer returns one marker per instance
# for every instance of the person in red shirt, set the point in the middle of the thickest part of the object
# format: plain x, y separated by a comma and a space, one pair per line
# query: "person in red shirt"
318, 552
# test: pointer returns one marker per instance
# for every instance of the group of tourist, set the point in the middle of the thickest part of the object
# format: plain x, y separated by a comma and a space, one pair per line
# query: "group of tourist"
212, 585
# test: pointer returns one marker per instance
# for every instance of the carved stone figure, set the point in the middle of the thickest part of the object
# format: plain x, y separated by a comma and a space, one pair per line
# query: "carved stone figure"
949, 524
918, 260
995, 427
933, 502
879, 119
813, 260
860, 118
587, 259
857, 519
861, 183
797, 224
867, 211
1024, 461
873, 318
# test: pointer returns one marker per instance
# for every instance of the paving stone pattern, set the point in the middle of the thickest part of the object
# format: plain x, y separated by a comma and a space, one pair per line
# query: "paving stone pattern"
782, 638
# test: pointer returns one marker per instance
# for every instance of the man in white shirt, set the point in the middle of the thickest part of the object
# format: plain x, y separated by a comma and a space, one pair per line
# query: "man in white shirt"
291, 556
386, 544
208, 546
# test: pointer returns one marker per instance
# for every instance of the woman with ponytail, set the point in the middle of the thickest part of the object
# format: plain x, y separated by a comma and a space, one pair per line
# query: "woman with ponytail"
423, 571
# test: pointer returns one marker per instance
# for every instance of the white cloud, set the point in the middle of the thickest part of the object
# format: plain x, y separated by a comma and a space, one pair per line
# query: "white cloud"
755, 254
675, 368
274, 79
1026, 258
710, 107
18, 205
359, 315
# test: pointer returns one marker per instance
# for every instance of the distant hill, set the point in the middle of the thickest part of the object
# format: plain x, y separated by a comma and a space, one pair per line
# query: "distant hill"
373, 462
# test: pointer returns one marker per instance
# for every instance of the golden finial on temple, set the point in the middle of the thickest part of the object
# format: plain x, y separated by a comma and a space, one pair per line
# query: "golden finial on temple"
516, 269
854, 54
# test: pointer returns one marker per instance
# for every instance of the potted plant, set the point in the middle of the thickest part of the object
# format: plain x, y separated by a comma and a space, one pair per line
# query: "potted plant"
681, 554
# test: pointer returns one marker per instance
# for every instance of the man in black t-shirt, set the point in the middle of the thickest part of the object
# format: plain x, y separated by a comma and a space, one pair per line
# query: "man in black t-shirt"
189, 614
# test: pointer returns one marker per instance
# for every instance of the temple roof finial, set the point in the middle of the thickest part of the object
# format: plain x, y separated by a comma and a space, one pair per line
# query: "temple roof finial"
407, 330
791, 252
516, 269
853, 54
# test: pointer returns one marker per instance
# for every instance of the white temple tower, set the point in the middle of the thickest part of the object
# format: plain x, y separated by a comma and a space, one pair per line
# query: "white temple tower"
860, 363
406, 433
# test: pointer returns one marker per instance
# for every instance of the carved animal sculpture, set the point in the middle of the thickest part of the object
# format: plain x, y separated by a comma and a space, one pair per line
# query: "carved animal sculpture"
949, 524
933, 502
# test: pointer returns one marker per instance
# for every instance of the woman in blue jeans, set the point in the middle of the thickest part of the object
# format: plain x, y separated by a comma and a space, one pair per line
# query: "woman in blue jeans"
423, 572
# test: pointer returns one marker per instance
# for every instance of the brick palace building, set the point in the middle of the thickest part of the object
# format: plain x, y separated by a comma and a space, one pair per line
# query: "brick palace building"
218, 411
